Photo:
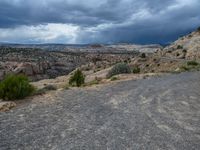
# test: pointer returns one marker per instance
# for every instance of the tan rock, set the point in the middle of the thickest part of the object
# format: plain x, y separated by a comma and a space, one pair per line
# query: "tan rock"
6, 106
36, 69
28, 69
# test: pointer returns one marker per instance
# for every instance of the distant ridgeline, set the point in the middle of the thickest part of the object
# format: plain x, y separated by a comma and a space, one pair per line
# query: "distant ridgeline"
38, 63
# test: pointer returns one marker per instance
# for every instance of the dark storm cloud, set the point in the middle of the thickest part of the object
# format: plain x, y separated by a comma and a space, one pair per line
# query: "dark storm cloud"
23, 12
141, 21
30, 12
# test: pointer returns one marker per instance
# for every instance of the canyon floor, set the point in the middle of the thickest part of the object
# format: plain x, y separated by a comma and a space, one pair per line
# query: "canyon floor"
153, 113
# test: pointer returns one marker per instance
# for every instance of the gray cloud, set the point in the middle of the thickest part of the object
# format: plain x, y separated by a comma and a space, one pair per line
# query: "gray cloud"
102, 21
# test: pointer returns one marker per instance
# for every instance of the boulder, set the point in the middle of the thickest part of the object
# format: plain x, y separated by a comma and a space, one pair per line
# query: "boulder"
30, 69
23, 68
5, 106
36, 69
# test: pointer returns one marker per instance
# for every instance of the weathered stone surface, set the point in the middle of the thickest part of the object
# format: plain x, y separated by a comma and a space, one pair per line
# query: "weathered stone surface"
25, 68
5, 106
156, 113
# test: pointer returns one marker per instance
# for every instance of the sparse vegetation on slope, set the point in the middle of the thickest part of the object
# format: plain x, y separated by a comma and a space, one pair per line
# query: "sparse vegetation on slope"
190, 66
15, 87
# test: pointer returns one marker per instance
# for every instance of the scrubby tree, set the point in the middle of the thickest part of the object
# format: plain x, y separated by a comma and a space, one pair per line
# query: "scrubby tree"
77, 79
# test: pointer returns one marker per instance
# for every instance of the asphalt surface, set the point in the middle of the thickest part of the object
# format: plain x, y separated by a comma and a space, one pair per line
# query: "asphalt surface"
150, 114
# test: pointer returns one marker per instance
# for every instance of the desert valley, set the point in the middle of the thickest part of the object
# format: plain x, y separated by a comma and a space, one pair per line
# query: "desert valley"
152, 85
99, 75
53, 62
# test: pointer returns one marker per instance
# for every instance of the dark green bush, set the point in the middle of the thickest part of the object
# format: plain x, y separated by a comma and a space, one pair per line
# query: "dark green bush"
77, 79
143, 55
184, 51
179, 47
119, 69
198, 29
15, 87
136, 69
192, 63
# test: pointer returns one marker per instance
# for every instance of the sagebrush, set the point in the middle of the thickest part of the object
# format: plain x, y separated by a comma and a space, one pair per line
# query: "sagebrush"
120, 68
15, 87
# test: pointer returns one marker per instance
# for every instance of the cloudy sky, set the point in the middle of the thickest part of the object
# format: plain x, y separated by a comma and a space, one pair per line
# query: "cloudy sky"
97, 21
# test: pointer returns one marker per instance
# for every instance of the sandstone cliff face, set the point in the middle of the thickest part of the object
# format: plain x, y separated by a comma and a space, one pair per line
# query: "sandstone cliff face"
31, 69
37, 64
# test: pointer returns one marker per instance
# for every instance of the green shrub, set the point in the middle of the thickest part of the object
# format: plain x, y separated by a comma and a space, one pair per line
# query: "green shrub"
119, 69
15, 87
192, 63
113, 78
126, 61
77, 79
184, 51
198, 29
184, 68
190, 66
136, 69
179, 47
190, 35
143, 55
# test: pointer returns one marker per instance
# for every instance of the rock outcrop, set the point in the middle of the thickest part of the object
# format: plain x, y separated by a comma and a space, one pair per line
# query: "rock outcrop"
42, 64
186, 47
5, 106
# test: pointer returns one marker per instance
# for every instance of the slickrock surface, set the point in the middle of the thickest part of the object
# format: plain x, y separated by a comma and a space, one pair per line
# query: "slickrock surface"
155, 113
